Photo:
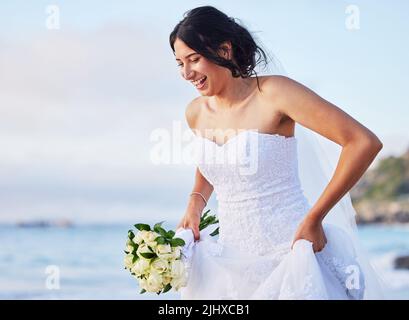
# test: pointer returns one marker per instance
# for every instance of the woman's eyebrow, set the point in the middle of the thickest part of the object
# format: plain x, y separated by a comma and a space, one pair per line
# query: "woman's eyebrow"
190, 54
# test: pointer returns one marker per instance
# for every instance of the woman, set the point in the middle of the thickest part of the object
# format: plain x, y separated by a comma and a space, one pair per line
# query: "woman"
272, 243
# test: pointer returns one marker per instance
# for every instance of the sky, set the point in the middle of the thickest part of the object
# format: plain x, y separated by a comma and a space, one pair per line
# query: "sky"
80, 99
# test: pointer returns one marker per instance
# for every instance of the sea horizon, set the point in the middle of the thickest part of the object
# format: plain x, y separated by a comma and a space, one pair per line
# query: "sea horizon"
89, 260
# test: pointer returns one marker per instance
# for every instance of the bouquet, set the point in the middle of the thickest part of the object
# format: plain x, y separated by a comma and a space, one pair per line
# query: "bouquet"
154, 256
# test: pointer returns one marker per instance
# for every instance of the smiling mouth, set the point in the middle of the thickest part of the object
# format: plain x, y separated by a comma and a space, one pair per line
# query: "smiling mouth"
200, 82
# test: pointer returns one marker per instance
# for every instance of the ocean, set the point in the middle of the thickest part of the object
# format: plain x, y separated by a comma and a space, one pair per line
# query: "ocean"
86, 262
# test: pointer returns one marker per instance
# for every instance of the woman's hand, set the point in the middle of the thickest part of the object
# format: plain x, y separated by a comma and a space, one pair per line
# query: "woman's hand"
311, 229
191, 220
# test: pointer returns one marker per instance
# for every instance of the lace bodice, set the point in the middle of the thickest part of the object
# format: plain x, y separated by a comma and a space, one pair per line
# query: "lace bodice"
257, 187
260, 205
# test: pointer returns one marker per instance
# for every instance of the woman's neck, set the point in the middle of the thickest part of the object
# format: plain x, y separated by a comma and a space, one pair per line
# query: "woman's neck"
234, 93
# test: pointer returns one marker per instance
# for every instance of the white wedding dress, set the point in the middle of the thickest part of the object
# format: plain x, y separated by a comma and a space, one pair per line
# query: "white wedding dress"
260, 205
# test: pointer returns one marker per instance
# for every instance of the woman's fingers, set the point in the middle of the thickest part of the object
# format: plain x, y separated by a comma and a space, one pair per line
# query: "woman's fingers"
316, 246
196, 233
187, 223
195, 229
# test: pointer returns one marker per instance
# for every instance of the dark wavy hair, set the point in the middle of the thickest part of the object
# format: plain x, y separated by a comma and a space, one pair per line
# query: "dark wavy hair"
205, 28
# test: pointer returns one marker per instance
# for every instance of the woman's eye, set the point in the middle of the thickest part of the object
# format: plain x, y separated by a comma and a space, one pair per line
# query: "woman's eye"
195, 60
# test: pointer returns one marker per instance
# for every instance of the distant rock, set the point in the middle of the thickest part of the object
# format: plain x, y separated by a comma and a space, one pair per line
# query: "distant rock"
402, 262
382, 211
382, 193
61, 223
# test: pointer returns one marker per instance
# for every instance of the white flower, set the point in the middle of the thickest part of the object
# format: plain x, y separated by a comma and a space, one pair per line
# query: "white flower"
140, 236
154, 282
176, 252
142, 283
128, 260
143, 248
164, 251
140, 267
177, 268
160, 265
129, 246
146, 236
150, 239
166, 278
179, 282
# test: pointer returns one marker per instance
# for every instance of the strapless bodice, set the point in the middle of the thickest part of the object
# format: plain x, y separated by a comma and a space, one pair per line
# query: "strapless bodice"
257, 187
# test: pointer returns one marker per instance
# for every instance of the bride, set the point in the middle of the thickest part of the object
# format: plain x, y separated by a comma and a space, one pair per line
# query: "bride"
283, 234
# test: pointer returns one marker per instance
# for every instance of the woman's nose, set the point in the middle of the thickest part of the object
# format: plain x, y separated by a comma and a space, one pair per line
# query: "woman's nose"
187, 74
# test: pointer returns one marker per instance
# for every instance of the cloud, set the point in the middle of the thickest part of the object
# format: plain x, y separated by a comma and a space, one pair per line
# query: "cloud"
77, 109
76, 113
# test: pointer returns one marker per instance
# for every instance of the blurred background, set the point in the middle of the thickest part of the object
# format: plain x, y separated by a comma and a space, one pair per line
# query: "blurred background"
86, 86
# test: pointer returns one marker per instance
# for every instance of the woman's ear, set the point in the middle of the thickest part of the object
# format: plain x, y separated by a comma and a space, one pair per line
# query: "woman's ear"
226, 50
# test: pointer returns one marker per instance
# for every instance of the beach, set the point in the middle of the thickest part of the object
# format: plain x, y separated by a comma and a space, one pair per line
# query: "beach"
86, 261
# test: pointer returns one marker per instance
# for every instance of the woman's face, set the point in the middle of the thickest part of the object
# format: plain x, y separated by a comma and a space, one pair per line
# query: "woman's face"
206, 76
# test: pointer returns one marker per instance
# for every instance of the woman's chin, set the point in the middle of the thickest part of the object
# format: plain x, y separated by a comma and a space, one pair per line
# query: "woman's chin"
204, 92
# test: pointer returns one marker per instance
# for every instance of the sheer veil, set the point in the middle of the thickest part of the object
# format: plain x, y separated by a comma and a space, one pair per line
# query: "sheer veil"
317, 160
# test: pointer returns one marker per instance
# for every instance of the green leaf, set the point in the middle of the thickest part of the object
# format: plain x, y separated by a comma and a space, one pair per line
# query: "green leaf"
207, 220
167, 288
134, 246
148, 255
159, 224
177, 242
143, 291
170, 234
160, 240
215, 232
135, 258
142, 226
131, 235
203, 225
161, 231
205, 214
212, 219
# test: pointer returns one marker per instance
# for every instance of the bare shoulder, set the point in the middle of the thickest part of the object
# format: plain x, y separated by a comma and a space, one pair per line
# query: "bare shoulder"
309, 109
279, 85
274, 90
286, 93
192, 111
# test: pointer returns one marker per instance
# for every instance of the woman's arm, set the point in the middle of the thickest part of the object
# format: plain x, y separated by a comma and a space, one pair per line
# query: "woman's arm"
195, 205
359, 145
